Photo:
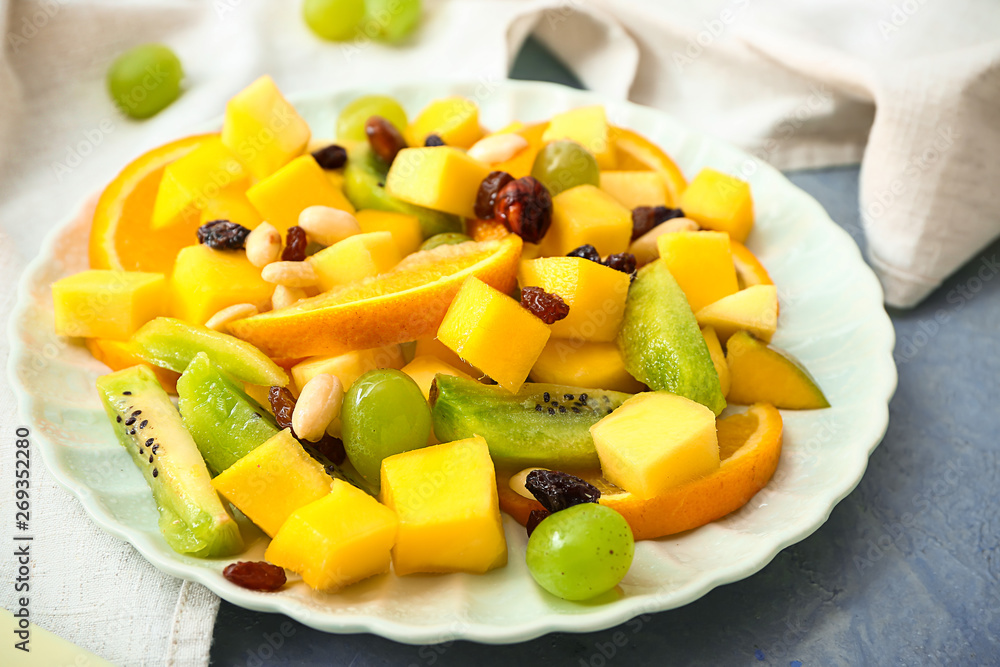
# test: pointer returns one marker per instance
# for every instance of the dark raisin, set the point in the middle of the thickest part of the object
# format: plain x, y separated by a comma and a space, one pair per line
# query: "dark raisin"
525, 206
331, 157
547, 307
434, 140
534, 519
385, 140
621, 261
644, 218
255, 575
331, 447
558, 490
295, 245
586, 251
282, 404
223, 235
486, 197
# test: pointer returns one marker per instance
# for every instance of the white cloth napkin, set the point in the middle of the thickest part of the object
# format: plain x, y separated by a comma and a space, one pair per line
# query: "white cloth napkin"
910, 88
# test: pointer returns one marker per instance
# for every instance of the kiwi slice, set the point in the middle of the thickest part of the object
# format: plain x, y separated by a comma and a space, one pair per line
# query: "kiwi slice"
541, 425
225, 423
192, 518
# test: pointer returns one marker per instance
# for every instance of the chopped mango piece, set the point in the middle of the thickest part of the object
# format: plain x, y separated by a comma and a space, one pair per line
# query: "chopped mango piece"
632, 189
761, 373
721, 202
454, 119
446, 500
355, 258
349, 366
442, 178
655, 441
718, 358
581, 364
520, 165
701, 263
434, 348
754, 309
594, 293
343, 537
491, 331
301, 183
205, 281
587, 126
405, 229
191, 181
263, 129
423, 369
272, 481
585, 214
232, 205
107, 304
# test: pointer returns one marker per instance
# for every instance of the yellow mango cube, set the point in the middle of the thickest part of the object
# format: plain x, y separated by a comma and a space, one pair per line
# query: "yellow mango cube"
205, 281
442, 178
343, 537
754, 309
587, 126
454, 119
191, 181
491, 331
405, 229
655, 441
349, 366
272, 481
701, 263
263, 129
231, 205
432, 347
446, 499
520, 164
594, 293
301, 183
580, 364
107, 304
355, 258
424, 369
586, 214
632, 189
721, 202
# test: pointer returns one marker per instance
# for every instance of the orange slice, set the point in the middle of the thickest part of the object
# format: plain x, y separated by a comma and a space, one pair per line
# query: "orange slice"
636, 153
749, 445
407, 303
120, 237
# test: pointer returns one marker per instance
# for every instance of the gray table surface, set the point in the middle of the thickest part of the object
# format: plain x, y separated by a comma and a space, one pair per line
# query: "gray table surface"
905, 572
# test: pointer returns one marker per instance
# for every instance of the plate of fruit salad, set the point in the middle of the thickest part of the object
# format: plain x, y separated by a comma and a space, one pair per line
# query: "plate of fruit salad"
339, 357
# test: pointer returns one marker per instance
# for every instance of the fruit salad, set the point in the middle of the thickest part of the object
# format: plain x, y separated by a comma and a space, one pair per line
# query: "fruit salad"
382, 343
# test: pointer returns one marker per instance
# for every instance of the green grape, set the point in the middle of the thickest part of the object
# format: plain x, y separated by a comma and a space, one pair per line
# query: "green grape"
562, 165
145, 80
392, 20
335, 20
351, 121
384, 413
581, 552
450, 238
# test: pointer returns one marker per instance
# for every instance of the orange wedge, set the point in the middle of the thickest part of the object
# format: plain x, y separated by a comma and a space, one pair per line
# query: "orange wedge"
749, 445
636, 153
120, 237
749, 270
404, 304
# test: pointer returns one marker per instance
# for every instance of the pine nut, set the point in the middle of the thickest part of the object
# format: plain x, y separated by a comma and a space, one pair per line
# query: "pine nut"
290, 274
318, 404
497, 148
220, 321
518, 483
263, 244
645, 248
328, 225
284, 297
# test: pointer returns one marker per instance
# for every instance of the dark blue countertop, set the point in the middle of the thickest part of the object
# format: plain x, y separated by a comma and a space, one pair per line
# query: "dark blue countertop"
905, 572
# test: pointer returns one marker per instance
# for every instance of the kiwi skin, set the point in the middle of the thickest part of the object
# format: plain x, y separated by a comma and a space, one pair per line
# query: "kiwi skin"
544, 425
